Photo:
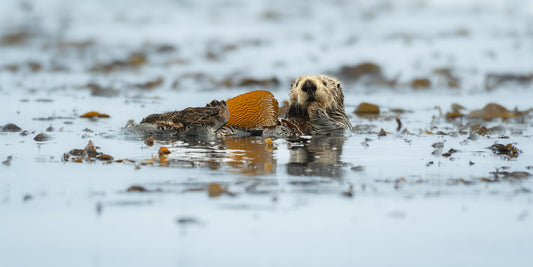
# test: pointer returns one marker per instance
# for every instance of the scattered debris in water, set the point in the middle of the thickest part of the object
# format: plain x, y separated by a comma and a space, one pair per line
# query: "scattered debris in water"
150, 84
510, 175
493, 81
149, 141
136, 188
163, 151
367, 73
94, 114
216, 190
89, 153
450, 152
508, 150
56, 68
491, 111
421, 83
269, 142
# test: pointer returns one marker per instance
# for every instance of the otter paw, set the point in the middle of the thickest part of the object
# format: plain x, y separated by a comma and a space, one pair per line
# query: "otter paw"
216, 103
314, 110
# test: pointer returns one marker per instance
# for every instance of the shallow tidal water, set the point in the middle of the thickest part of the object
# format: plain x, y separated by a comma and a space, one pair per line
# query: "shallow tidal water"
415, 185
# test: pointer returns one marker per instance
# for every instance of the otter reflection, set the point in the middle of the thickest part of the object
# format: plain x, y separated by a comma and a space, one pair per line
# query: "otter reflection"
319, 156
250, 155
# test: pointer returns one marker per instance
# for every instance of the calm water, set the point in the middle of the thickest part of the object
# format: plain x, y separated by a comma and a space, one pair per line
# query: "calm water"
362, 199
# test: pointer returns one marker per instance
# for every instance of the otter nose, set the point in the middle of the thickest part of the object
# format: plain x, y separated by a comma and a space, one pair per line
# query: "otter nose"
309, 87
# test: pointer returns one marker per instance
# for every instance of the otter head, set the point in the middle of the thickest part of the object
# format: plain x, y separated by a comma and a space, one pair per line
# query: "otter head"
320, 89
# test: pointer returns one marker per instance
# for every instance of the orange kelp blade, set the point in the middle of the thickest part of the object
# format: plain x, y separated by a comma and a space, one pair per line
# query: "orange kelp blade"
253, 109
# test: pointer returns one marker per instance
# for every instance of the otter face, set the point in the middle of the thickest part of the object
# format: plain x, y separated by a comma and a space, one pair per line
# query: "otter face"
320, 89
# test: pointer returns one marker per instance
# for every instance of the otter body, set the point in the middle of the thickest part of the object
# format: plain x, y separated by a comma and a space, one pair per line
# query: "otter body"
192, 121
316, 105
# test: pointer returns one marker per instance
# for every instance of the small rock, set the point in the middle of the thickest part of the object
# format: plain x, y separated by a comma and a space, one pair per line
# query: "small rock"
356, 72
10, 127
367, 109
41, 137
450, 152
27, 197
7, 162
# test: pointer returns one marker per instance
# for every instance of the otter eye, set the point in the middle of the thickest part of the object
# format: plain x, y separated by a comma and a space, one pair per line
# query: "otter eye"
324, 83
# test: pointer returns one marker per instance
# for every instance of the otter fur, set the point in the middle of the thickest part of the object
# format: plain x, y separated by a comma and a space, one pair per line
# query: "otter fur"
199, 121
316, 105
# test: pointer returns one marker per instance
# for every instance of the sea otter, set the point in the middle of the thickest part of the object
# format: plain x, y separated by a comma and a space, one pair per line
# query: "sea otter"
316, 105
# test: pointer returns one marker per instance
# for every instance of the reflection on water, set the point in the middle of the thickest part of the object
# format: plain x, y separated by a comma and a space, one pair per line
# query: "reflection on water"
246, 155
250, 155
320, 156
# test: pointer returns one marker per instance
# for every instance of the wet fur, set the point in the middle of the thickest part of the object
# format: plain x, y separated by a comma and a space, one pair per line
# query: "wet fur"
193, 121
320, 111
